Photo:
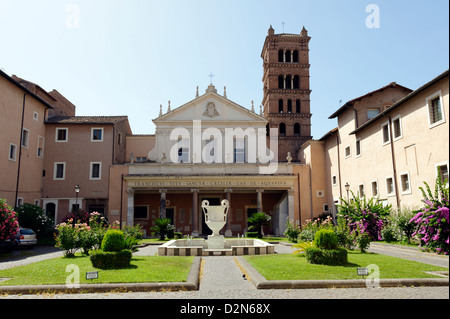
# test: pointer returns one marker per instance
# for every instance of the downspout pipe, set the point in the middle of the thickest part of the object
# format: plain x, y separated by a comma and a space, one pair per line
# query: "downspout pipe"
394, 165
20, 149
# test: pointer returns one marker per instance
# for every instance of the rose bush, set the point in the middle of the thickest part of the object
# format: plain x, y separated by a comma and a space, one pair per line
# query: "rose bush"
9, 225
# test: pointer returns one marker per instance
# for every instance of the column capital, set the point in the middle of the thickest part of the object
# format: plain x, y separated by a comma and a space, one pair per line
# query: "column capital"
228, 190
260, 190
163, 191
195, 190
131, 191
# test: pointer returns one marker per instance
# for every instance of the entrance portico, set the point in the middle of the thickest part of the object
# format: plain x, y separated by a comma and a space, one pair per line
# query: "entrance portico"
179, 198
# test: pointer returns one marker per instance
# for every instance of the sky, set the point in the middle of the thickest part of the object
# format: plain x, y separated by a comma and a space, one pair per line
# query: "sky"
128, 57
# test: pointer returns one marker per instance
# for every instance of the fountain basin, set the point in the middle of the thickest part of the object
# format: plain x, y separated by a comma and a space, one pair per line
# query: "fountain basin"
232, 247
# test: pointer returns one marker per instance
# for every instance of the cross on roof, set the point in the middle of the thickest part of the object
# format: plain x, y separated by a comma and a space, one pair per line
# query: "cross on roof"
211, 76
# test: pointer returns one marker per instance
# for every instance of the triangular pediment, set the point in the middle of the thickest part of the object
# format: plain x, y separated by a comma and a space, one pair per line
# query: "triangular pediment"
210, 107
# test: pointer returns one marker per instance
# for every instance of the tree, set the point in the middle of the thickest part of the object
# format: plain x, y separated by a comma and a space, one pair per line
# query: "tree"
257, 221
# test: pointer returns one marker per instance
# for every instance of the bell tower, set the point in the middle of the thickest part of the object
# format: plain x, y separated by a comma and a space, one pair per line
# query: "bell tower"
287, 92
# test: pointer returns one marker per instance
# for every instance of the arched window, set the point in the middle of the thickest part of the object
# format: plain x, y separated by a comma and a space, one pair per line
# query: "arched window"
289, 110
282, 129
297, 106
288, 56
288, 82
280, 106
295, 56
280, 56
296, 82
296, 129
281, 81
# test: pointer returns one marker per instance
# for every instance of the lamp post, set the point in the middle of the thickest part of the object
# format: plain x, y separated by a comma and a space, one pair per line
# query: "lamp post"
347, 189
77, 190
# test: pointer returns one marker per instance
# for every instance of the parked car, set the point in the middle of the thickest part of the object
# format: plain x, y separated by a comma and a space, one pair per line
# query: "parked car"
25, 237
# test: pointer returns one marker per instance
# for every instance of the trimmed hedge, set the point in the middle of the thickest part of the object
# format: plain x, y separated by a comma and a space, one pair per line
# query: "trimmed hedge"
326, 239
319, 256
109, 259
114, 240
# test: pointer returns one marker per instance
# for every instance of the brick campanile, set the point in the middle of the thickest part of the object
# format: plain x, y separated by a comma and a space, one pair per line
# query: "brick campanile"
287, 92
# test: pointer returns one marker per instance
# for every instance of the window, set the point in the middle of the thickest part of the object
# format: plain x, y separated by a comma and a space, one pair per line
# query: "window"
62, 135
371, 113
390, 186
361, 190
35, 116
12, 152
374, 188
95, 172
386, 133
280, 56
288, 56
347, 152
59, 171
25, 137
239, 150
40, 147
295, 56
297, 129
298, 106
280, 106
397, 128
140, 212
281, 82
296, 82
97, 135
288, 82
289, 110
283, 129
435, 110
358, 147
334, 180
406, 187
443, 171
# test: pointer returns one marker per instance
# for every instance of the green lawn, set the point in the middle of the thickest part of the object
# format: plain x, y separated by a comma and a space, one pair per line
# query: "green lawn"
295, 267
142, 269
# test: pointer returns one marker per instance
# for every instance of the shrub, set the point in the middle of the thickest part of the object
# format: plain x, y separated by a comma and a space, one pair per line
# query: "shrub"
107, 259
67, 239
344, 233
34, 217
292, 232
315, 255
311, 227
371, 212
114, 240
8, 222
433, 220
326, 239
251, 234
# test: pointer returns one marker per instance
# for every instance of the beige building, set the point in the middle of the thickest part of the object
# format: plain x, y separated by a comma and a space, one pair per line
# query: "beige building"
387, 143
22, 142
80, 151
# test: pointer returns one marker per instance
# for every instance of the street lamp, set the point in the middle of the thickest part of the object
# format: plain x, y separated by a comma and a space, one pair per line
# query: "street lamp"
347, 188
77, 190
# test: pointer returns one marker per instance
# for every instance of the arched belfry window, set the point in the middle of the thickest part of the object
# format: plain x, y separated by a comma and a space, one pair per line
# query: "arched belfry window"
288, 56
280, 106
297, 129
281, 81
295, 56
289, 108
288, 82
297, 106
280, 56
296, 82
282, 129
